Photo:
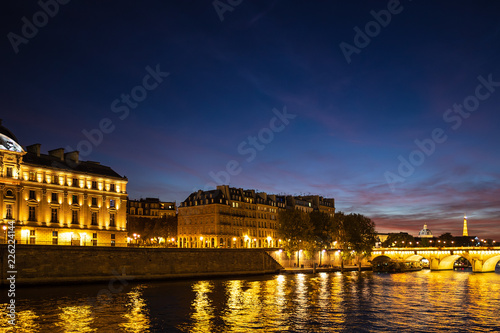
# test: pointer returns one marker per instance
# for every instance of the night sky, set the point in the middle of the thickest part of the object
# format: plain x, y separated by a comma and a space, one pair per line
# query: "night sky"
397, 119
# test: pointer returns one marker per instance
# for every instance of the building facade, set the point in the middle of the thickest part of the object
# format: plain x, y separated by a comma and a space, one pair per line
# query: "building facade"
235, 218
151, 208
56, 199
152, 222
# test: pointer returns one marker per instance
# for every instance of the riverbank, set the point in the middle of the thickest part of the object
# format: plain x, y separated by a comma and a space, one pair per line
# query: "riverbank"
44, 264
324, 269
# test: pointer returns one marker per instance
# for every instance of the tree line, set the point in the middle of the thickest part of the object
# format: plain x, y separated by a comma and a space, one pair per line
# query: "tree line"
352, 234
151, 230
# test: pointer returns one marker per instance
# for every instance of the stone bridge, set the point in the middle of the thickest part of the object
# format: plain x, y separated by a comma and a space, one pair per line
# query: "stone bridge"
483, 259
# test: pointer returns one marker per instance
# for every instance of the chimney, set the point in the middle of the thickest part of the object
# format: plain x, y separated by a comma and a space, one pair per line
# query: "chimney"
34, 149
59, 153
72, 156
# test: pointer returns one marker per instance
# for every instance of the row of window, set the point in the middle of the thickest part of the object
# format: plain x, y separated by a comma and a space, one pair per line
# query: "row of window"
55, 238
55, 179
74, 199
152, 205
235, 232
55, 212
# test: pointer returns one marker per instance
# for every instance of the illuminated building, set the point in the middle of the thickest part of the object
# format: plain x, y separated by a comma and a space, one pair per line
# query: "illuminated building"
425, 233
56, 199
236, 218
152, 214
150, 208
311, 203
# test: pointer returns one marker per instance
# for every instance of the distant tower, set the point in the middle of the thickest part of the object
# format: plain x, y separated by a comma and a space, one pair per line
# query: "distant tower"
466, 233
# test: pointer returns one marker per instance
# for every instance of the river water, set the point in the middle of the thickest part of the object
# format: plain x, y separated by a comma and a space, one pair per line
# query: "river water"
424, 301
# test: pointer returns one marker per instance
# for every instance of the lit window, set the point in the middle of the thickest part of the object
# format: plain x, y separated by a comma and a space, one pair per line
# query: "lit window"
74, 217
32, 213
32, 237
94, 218
8, 209
54, 215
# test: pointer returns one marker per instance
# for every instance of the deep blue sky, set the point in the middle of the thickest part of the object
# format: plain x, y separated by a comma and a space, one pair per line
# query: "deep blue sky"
352, 120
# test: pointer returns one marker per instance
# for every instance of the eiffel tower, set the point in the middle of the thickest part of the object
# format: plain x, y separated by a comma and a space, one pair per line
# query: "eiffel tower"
466, 233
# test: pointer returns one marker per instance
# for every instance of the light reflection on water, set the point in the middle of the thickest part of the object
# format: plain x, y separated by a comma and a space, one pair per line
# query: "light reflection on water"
326, 302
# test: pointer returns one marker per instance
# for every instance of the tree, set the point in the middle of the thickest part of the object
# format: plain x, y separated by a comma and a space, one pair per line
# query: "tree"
446, 239
296, 229
355, 236
401, 239
151, 229
323, 229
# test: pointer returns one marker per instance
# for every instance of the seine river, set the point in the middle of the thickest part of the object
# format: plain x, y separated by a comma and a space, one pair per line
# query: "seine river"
424, 301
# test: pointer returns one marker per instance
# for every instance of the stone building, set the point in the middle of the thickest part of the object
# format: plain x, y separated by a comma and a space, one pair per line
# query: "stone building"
56, 199
150, 208
151, 221
236, 218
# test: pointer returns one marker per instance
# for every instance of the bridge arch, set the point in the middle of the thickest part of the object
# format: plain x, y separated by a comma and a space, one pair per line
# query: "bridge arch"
416, 257
381, 257
447, 262
490, 264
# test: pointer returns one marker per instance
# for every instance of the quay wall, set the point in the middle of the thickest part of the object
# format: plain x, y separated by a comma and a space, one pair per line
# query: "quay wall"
53, 264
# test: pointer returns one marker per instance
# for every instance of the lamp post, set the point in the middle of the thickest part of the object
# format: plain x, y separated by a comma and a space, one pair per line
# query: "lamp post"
5, 233
136, 237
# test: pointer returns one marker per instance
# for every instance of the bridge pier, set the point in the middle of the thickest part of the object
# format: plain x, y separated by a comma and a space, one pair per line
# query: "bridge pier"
435, 265
477, 265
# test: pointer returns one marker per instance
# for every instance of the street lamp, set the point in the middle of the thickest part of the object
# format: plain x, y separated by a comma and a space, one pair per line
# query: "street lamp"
5, 233
136, 237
